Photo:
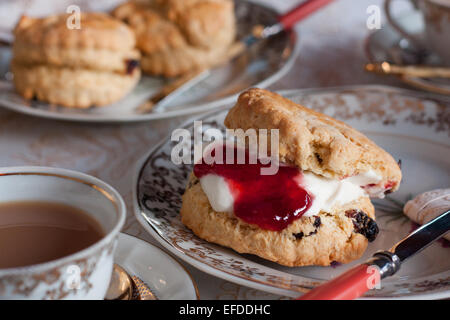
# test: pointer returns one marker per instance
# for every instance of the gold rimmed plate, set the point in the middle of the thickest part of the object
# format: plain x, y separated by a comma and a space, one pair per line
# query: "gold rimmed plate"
261, 65
409, 125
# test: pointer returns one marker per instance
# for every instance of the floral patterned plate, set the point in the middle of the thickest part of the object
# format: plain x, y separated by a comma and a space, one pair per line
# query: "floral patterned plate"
262, 64
411, 127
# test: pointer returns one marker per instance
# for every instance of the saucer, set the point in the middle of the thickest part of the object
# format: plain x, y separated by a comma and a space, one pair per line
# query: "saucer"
408, 124
165, 277
386, 44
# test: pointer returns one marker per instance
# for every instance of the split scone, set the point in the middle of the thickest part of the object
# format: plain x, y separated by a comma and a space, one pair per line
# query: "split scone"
176, 37
94, 65
315, 210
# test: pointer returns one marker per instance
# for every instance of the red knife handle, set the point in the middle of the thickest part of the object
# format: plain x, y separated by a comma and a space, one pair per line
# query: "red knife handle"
288, 20
350, 285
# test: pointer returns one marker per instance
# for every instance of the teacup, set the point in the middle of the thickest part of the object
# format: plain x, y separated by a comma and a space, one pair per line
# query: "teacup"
84, 274
436, 17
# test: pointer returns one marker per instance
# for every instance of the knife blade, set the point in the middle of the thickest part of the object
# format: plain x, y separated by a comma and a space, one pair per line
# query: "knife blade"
171, 91
422, 237
358, 280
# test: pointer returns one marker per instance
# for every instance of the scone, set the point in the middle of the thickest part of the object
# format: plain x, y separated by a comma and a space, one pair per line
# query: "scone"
91, 66
176, 37
315, 210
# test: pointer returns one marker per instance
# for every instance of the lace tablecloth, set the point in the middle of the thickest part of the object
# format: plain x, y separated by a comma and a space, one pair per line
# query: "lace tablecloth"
331, 54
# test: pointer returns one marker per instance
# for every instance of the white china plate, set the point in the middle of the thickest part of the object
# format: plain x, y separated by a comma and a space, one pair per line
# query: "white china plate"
165, 276
261, 65
411, 127
386, 44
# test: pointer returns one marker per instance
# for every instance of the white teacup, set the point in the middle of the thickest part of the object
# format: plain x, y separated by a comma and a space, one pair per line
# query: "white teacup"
84, 274
436, 16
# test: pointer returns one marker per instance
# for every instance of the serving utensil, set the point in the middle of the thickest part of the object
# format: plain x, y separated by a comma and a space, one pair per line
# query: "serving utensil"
178, 86
126, 287
358, 280
121, 286
171, 91
419, 71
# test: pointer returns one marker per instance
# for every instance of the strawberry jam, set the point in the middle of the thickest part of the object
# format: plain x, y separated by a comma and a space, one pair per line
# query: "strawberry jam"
271, 202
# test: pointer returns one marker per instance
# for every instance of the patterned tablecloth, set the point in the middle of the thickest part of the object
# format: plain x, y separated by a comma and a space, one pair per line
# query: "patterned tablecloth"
331, 54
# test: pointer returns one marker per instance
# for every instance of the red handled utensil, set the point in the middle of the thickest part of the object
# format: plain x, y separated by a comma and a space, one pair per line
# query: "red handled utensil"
358, 280
287, 20
304, 9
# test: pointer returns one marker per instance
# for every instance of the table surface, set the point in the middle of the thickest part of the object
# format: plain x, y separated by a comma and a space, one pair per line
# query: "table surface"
331, 54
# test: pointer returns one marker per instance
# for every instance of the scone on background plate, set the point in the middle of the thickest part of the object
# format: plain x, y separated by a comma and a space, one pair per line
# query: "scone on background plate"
316, 210
91, 66
176, 37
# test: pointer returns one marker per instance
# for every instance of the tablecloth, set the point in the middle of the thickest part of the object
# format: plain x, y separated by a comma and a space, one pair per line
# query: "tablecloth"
331, 54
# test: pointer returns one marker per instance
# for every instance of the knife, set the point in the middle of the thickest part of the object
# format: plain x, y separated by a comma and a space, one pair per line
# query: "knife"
171, 91
355, 282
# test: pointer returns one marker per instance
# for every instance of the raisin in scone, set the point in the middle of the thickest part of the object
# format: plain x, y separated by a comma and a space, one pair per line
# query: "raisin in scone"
176, 37
315, 210
91, 66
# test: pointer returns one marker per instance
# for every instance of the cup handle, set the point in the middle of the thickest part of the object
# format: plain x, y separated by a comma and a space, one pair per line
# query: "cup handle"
392, 21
